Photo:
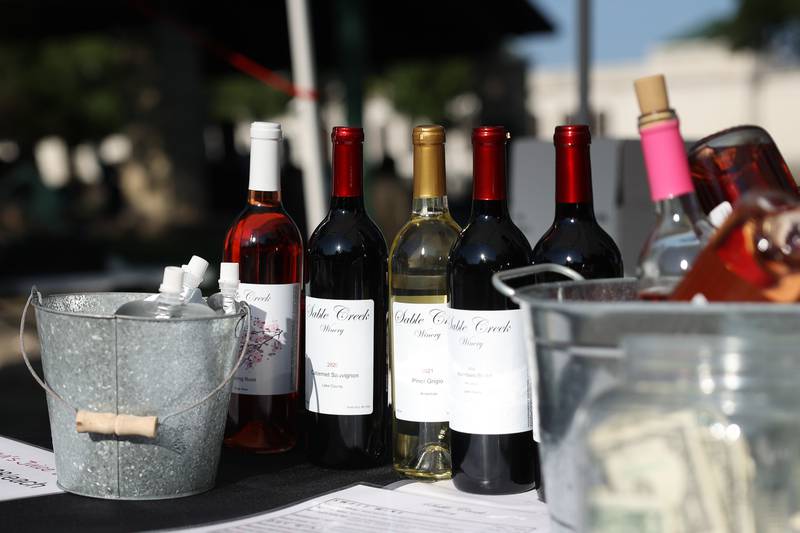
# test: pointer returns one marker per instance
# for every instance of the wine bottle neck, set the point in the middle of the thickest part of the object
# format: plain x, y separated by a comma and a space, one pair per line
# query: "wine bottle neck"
429, 171
347, 169
573, 175
264, 198
665, 159
685, 207
429, 206
489, 171
264, 165
578, 211
347, 203
489, 208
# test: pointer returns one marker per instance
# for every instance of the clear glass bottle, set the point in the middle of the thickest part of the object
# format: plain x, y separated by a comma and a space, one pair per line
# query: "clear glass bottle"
701, 434
192, 278
680, 225
418, 317
225, 300
168, 303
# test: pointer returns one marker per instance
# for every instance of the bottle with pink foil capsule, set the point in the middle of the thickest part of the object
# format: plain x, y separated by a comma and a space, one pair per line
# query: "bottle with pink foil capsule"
680, 225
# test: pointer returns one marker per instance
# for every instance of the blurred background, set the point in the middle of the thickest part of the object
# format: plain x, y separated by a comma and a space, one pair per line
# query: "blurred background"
124, 126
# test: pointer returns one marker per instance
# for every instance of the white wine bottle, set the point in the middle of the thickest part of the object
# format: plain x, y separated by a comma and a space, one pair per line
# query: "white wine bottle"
419, 318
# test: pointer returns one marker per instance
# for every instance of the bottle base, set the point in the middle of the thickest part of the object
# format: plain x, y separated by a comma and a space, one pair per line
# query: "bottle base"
255, 437
472, 486
422, 475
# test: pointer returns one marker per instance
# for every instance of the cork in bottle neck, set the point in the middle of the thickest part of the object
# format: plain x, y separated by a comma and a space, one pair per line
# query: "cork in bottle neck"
651, 93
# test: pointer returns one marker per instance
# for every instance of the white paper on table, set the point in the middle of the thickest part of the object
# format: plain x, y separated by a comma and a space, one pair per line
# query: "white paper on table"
364, 509
526, 502
26, 471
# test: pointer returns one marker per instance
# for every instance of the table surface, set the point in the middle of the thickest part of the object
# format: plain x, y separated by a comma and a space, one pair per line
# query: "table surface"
246, 484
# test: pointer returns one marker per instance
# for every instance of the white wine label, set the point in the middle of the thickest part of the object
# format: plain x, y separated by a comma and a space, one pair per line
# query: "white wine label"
270, 365
489, 383
339, 356
420, 361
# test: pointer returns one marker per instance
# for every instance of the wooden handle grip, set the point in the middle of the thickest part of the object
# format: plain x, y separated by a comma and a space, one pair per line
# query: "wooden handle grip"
111, 424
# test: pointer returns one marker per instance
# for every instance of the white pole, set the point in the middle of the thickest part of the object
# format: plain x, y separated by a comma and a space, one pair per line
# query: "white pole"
309, 146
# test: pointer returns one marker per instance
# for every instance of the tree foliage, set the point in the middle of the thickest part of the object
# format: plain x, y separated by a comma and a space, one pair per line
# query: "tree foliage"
77, 87
422, 89
760, 25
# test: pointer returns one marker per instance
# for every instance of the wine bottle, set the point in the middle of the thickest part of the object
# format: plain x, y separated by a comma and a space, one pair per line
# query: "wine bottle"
346, 386
675, 240
575, 239
419, 317
490, 417
266, 243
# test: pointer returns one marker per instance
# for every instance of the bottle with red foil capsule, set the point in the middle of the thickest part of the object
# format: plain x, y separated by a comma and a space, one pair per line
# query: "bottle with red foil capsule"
269, 249
346, 304
491, 415
680, 225
575, 239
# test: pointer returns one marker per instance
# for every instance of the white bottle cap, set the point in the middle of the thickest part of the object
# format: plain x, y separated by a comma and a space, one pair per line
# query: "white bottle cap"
719, 214
229, 272
265, 159
195, 271
266, 130
173, 280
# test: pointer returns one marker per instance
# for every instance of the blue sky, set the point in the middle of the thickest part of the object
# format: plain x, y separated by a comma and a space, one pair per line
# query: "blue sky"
622, 29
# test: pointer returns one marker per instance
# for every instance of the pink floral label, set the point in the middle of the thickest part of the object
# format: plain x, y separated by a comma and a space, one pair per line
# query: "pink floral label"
271, 361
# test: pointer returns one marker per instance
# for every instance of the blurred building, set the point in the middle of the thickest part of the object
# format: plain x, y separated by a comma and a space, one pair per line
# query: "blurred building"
710, 86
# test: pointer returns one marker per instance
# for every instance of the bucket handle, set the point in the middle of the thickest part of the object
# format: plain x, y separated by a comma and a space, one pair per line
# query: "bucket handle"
230, 375
111, 423
500, 278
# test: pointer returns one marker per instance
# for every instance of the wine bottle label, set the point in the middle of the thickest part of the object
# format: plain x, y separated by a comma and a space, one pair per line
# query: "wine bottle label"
270, 364
339, 356
489, 383
420, 361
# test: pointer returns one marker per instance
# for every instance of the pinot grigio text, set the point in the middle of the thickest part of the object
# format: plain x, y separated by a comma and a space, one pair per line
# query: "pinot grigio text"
420, 361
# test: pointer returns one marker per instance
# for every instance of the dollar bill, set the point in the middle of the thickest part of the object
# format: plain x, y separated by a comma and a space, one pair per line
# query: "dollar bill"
659, 459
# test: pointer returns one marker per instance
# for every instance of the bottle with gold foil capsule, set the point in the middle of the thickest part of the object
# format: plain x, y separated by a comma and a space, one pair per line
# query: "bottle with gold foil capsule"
419, 318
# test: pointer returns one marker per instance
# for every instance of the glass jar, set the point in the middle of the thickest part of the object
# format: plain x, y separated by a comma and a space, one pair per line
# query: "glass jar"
703, 435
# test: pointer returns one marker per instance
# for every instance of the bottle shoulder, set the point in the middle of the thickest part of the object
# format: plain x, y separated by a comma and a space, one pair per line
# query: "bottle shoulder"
426, 239
491, 240
260, 224
581, 245
347, 232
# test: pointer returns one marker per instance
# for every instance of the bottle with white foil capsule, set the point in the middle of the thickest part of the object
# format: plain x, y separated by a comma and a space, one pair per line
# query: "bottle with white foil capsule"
267, 245
491, 415
418, 318
346, 387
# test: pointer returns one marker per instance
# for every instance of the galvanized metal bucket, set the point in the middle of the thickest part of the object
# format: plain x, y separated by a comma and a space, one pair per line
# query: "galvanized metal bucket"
574, 334
174, 375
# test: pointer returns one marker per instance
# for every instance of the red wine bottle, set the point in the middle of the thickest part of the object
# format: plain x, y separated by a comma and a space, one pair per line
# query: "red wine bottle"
269, 249
575, 239
491, 423
346, 301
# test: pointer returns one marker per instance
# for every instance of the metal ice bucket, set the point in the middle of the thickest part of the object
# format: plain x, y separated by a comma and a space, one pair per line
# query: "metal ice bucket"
174, 373
573, 334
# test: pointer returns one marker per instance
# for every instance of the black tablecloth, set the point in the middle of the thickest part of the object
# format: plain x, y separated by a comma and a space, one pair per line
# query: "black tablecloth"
246, 484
